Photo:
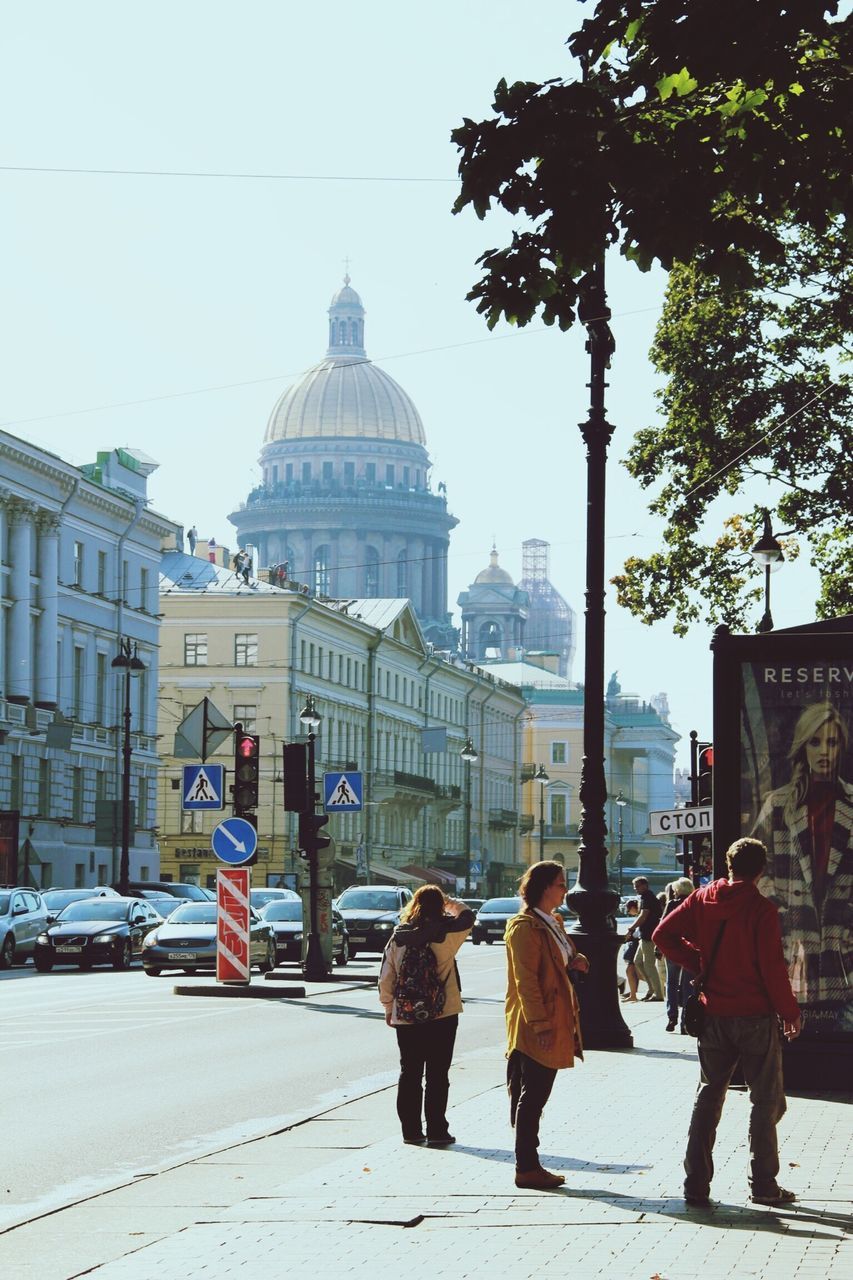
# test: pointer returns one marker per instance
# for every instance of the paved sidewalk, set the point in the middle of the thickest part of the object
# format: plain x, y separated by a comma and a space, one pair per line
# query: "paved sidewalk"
341, 1196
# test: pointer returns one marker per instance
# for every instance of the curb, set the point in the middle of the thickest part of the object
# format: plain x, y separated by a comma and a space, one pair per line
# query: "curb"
240, 992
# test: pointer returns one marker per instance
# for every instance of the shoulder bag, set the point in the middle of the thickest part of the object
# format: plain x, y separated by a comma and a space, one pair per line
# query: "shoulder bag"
695, 1012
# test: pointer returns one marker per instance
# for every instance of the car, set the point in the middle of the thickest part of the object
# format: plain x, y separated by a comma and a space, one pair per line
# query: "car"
473, 903
285, 916
490, 923
106, 930
175, 888
56, 899
260, 897
164, 905
371, 912
187, 940
23, 915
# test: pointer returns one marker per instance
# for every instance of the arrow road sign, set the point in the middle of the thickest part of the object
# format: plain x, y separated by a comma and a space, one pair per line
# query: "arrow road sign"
342, 792
234, 840
203, 786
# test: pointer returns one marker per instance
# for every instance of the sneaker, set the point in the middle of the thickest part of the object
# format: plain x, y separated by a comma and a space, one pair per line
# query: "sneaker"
779, 1196
539, 1180
670, 1026
446, 1140
697, 1202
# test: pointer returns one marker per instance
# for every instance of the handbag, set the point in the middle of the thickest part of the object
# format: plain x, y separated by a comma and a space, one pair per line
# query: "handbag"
695, 1011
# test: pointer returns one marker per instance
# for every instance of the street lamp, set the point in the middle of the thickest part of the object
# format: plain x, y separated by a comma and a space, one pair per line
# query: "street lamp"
127, 660
767, 552
315, 964
542, 778
621, 802
469, 755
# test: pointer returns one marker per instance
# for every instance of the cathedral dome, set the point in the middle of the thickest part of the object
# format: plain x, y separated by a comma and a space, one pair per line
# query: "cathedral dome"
494, 573
345, 395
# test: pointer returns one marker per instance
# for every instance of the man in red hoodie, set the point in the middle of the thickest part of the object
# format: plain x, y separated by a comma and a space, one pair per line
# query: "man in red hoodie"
747, 993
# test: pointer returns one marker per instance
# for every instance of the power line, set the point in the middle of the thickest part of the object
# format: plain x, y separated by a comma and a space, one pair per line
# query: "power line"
193, 173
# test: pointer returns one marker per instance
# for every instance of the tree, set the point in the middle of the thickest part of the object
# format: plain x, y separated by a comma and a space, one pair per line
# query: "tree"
708, 135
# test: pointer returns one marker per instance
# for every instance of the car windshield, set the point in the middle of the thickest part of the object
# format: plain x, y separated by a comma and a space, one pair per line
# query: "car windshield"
95, 909
194, 913
56, 899
192, 891
260, 897
284, 909
367, 900
500, 906
164, 906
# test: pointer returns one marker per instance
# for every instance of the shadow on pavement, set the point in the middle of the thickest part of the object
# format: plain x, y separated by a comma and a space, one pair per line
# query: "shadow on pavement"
502, 1156
312, 1005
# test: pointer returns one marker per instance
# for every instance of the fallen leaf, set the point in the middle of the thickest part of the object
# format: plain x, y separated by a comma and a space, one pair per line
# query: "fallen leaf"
792, 1164
367, 1169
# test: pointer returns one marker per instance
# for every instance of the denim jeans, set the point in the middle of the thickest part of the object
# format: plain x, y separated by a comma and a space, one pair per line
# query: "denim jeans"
723, 1042
678, 988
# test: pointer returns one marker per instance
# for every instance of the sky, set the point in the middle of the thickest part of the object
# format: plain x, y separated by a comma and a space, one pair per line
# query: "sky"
168, 313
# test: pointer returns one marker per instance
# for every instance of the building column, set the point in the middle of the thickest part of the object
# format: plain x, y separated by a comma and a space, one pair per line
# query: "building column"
428, 579
48, 597
5, 497
19, 683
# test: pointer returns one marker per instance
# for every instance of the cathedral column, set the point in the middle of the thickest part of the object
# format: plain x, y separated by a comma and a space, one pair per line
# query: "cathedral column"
429, 579
47, 524
441, 602
19, 684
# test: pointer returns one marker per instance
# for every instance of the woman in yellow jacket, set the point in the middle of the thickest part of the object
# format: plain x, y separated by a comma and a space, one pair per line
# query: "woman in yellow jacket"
542, 1022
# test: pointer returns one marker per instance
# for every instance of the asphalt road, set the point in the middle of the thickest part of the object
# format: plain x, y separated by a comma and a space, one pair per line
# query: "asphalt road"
108, 1075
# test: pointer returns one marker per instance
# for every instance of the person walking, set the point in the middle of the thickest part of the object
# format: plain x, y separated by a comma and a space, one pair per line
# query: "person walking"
679, 981
644, 925
542, 1016
629, 954
748, 991
441, 924
192, 539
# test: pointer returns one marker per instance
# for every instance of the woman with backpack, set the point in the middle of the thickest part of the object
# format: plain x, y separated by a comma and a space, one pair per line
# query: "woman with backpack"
420, 989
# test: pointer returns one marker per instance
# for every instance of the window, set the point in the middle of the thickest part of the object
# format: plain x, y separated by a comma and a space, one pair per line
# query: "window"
389, 475
559, 753
143, 589
370, 472
77, 682
195, 649
100, 787
190, 823
328, 469
288, 473
77, 566
102, 573
100, 688
16, 798
558, 810
322, 576
102, 873
44, 786
79, 875
245, 649
246, 714
306, 473
406, 477
76, 795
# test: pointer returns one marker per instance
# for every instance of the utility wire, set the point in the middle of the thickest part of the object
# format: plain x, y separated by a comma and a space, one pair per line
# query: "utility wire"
191, 173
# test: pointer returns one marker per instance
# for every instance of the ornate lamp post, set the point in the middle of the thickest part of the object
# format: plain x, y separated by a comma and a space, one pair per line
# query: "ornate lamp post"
315, 964
767, 552
470, 756
621, 802
542, 778
127, 660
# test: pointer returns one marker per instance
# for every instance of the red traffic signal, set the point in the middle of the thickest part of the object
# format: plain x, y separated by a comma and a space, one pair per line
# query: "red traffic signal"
247, 764
705, 772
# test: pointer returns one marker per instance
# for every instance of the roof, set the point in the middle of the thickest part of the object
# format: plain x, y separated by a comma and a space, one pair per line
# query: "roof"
526, 675
180, 572
345, 396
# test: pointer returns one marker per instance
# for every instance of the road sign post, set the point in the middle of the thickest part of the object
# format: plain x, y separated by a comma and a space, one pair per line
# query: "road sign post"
233, 954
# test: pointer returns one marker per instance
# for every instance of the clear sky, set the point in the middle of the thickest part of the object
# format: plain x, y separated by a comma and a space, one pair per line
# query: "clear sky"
188, 304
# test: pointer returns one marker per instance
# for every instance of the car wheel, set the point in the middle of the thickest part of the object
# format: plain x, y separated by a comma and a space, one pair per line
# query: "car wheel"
124, 957
153, 971
44, 964
489, 942
343, 958
7, 952
267, 966
476, 941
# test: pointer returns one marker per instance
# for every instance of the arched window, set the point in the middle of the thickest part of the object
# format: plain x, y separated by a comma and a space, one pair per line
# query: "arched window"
371, 572
322, 575
403, 573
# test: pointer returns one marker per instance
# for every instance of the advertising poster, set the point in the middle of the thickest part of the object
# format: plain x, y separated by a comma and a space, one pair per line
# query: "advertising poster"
796, 795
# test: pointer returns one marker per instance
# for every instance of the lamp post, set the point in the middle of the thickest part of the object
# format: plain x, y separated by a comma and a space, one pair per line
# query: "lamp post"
470, 756
621, 802
591, 898
127, 660
768, 553
542, 778
315, 964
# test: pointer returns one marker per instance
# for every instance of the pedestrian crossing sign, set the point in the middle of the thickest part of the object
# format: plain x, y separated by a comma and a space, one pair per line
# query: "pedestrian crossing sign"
342, 792
203, 786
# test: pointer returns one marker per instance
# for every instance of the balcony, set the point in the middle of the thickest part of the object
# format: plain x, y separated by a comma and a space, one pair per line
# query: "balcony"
409, 792
526, 822
561, 830
503, 819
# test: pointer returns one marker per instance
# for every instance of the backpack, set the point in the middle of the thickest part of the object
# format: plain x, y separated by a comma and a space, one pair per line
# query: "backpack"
419, 993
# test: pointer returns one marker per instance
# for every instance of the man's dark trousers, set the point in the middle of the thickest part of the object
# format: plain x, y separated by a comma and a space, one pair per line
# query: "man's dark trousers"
755, 1043
529, 1085
426, 1048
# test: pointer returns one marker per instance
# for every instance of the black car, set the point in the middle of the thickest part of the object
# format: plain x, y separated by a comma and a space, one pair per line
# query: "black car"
490, 923
96, 931
174, 888
371, 912
285, 916
187, 940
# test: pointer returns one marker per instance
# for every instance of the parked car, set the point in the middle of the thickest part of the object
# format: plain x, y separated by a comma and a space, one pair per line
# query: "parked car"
106, 930
175, 888
285, 916
56, 899
187, 940
490, 923
260, 897
23, 915
474, 903
164, 905
371, 912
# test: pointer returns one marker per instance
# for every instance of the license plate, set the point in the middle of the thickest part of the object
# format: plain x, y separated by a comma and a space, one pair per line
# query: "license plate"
69, 950
360, 938
182, 955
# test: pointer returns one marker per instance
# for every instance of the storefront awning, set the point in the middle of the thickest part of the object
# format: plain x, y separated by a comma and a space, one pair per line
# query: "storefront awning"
381, 872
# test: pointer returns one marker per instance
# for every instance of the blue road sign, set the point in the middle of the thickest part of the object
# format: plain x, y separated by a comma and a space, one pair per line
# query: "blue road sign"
203, 786
342, 792
234, 840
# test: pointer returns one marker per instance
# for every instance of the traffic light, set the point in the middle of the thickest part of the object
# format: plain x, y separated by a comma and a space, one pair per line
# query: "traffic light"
295, 774
247, 765
705, 772
309, 831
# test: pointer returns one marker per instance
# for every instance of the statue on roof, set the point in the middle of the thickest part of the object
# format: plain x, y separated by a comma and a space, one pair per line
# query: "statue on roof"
614, 688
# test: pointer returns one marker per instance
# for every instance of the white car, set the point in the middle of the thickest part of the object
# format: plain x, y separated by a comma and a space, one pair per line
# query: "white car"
23, 915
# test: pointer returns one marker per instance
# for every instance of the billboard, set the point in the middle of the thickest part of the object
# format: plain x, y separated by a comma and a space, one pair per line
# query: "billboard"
786, 747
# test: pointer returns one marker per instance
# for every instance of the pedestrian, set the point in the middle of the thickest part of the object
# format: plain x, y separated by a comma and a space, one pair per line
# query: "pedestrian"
542, 1016
644, 925
660, 963
247, 567
748, 990
211, 550
629, 952
678, 979
192, 539
430, 921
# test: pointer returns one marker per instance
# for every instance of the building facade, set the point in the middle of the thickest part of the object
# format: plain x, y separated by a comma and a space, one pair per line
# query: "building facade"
346, 500
390, 707
79, 560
